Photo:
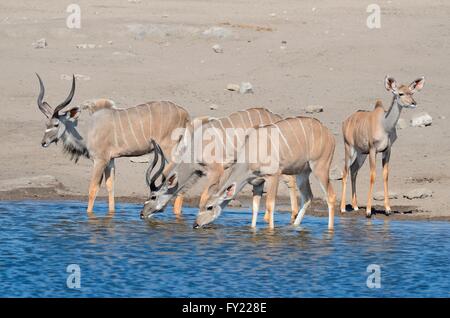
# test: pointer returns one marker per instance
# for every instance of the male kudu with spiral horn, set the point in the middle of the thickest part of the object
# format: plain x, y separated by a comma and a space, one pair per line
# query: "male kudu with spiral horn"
101, 132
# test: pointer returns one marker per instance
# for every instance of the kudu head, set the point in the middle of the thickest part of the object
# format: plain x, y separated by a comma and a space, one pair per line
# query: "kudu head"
404, 93
60, 118
160, 194
231, 184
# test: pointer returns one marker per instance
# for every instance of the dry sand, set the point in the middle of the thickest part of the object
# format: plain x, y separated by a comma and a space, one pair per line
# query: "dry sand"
153, 50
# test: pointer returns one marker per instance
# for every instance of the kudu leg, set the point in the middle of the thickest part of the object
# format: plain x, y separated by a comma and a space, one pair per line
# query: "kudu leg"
272, 189
372, 162
109, 181
178, 204
347, 163
386, 157
354, 169
305, 196
292, 186
322, 172
257, 194
96, 180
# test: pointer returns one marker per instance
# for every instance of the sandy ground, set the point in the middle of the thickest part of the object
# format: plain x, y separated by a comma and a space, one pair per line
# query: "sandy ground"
153, 50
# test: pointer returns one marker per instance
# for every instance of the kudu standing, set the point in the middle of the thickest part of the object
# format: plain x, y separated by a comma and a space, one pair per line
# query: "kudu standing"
101, 132
370, 132
303, 146
230, 132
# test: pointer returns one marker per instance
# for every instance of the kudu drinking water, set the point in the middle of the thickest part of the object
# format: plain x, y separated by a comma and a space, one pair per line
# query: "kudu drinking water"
370, 132
295, 146
101, 132
222, 137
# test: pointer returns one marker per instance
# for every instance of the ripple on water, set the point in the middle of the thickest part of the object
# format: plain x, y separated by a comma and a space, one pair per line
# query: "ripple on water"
165, 257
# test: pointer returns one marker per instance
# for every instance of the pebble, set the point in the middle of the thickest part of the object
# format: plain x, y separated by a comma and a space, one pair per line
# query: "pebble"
421, 120
246, 88
233, 87
217, 48
40, 44
311, 109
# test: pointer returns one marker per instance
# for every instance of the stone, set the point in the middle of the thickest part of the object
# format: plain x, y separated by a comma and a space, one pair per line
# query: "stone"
233, 87
40, 44
246, 88
379, 195
217, 48
419, 193
421, 120
311, 109
401, 124
213, 107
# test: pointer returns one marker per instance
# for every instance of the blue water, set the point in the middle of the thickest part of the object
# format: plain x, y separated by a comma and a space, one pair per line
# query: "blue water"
165, 257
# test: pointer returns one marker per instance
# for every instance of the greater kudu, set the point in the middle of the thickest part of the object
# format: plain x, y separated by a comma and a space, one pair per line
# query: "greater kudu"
101, 132
296, 146
370, 132
229, 134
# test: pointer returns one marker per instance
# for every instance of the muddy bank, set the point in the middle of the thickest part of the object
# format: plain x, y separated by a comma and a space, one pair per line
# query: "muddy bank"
317, 208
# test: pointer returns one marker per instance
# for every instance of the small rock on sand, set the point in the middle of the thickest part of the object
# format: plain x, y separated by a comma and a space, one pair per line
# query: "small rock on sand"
233, 87
40, 44
246, 88
421, 120
311, 109
419, 193
213, 107
217, 48
379, 196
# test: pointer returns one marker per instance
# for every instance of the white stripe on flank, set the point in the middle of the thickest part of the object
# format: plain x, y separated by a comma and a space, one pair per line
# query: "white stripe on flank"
292, 129
304, 133
236, 134
243, 122
140, 121
320, 126
115, 129
131, 128
224, 132
260, 118
250, 119
284, 139
150, 129
122, 130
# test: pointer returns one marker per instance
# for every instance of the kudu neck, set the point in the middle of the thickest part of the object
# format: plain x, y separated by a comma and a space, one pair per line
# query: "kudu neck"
392, 116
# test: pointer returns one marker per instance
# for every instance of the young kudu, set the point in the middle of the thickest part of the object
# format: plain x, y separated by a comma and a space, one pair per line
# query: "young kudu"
370, 132
296, 146
101, 132
222, 137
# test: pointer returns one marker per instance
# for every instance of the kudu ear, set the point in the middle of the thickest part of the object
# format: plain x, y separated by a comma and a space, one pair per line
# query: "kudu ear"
390, 83
172, 181
230, 191
417, 85
71, 112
